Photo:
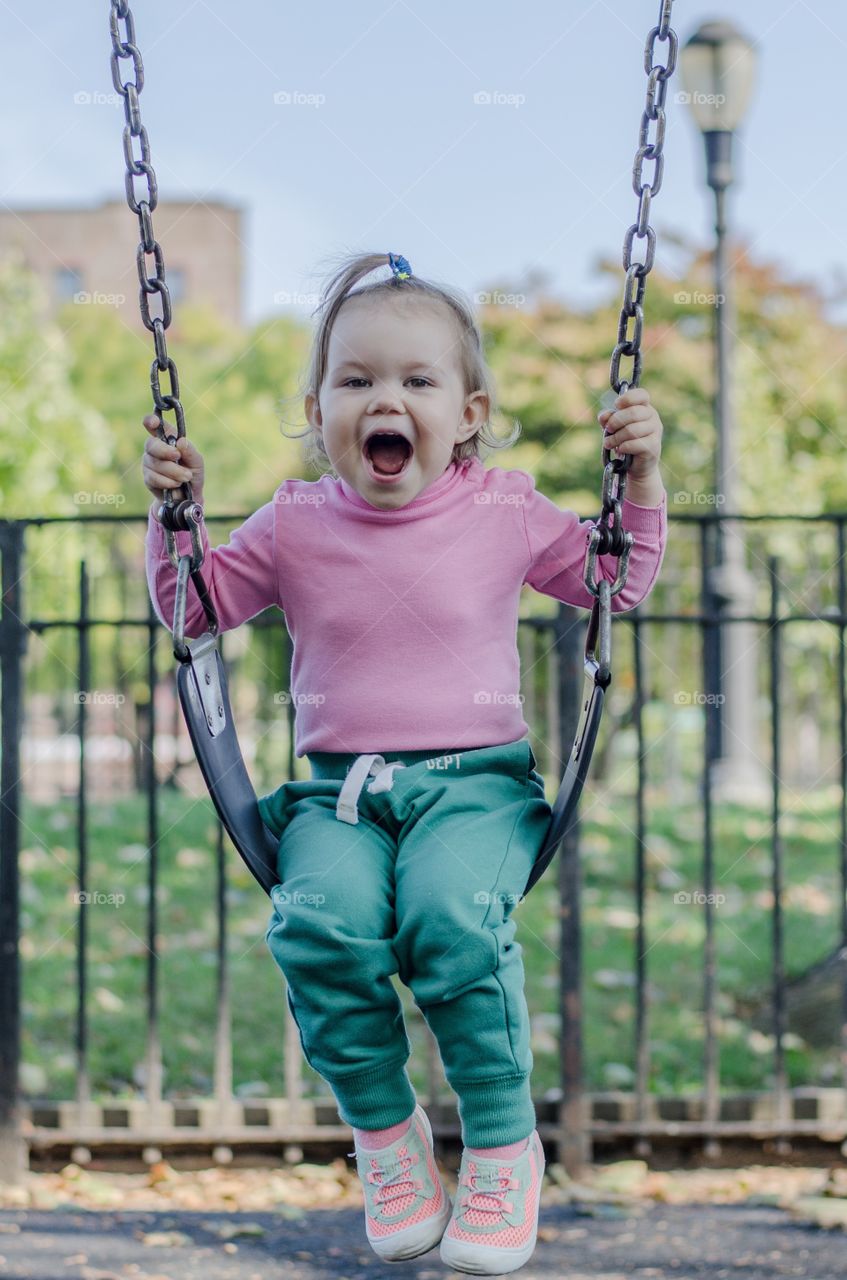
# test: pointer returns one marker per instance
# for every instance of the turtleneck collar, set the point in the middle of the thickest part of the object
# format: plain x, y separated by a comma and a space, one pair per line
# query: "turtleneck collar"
445, 482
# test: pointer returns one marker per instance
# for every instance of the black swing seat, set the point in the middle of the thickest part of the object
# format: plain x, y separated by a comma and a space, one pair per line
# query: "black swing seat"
204, 696
203, 693
573, 779
597, 667
201, 679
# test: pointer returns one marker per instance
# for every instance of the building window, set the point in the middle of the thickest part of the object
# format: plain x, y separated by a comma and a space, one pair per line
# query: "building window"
67, 281
175, 280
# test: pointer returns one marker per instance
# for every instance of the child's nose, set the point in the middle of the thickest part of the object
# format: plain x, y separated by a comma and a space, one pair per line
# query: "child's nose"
386, 400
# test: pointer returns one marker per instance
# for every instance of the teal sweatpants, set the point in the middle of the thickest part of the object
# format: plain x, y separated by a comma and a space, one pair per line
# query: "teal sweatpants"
424, 886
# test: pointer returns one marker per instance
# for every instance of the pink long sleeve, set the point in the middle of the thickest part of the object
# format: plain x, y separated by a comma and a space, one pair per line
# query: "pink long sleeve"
557, 546
404, 621
241, 576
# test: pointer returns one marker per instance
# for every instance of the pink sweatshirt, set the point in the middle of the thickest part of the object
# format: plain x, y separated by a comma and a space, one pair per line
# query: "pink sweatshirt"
404, 622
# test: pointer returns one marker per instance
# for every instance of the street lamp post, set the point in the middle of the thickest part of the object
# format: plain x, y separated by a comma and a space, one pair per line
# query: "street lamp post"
717, 67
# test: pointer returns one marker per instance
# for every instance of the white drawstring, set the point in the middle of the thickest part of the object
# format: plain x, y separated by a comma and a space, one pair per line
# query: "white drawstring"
362, 768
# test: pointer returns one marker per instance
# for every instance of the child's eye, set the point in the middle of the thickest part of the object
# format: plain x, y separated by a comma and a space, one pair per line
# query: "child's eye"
349, 381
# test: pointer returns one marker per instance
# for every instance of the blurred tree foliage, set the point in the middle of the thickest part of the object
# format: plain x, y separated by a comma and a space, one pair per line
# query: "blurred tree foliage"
73, 392
790, 381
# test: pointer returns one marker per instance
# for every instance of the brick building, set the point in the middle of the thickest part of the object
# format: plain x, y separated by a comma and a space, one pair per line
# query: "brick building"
87, 255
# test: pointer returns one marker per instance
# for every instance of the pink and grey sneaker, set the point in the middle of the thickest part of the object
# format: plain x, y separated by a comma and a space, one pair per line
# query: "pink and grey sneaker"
406, 1204
494, 1224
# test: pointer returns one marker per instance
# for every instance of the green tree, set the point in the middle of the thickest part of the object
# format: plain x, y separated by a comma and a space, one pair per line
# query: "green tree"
44, 425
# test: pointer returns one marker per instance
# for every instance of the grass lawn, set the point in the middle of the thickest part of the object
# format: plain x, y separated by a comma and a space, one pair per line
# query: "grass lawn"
186, 946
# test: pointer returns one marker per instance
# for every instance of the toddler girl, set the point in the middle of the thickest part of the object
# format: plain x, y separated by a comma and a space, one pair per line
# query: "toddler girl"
399, 572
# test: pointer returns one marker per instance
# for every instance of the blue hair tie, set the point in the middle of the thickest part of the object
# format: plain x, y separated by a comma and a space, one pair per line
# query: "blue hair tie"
399, 265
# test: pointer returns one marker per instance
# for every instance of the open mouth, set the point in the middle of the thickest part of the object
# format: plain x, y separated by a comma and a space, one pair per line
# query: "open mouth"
388, 453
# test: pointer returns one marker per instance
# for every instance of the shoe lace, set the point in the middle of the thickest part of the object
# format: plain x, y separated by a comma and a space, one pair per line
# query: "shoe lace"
392, 1180
491, 1198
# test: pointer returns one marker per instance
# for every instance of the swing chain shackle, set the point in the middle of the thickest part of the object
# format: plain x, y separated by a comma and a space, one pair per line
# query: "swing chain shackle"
187, 566
186, 515
123, 48
594, 551
606, 536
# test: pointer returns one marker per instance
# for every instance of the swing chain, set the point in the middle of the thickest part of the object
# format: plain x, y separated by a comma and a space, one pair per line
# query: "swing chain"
187, 513
606, 537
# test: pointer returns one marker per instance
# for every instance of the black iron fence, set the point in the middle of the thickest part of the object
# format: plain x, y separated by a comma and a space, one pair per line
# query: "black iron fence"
97, 773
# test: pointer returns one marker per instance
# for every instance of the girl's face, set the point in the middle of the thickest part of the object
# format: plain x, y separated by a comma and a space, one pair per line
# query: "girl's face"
392, 404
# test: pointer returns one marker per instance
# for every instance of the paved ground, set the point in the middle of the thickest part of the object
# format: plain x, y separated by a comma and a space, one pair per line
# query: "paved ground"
645, 1242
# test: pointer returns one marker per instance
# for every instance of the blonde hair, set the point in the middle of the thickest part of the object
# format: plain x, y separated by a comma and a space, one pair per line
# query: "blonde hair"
476, 374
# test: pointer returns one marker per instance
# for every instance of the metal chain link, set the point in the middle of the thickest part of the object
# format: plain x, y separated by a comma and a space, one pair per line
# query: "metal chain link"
187, 513
607, 536
143, 204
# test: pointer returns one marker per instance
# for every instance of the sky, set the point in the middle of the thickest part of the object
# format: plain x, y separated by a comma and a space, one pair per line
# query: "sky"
348, 127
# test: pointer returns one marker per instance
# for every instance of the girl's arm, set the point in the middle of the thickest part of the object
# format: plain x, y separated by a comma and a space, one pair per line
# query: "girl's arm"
557, 545
647, 491
240, 576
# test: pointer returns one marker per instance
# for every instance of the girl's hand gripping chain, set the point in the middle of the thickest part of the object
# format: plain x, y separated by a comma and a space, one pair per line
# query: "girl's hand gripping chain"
635, 427
167, 466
